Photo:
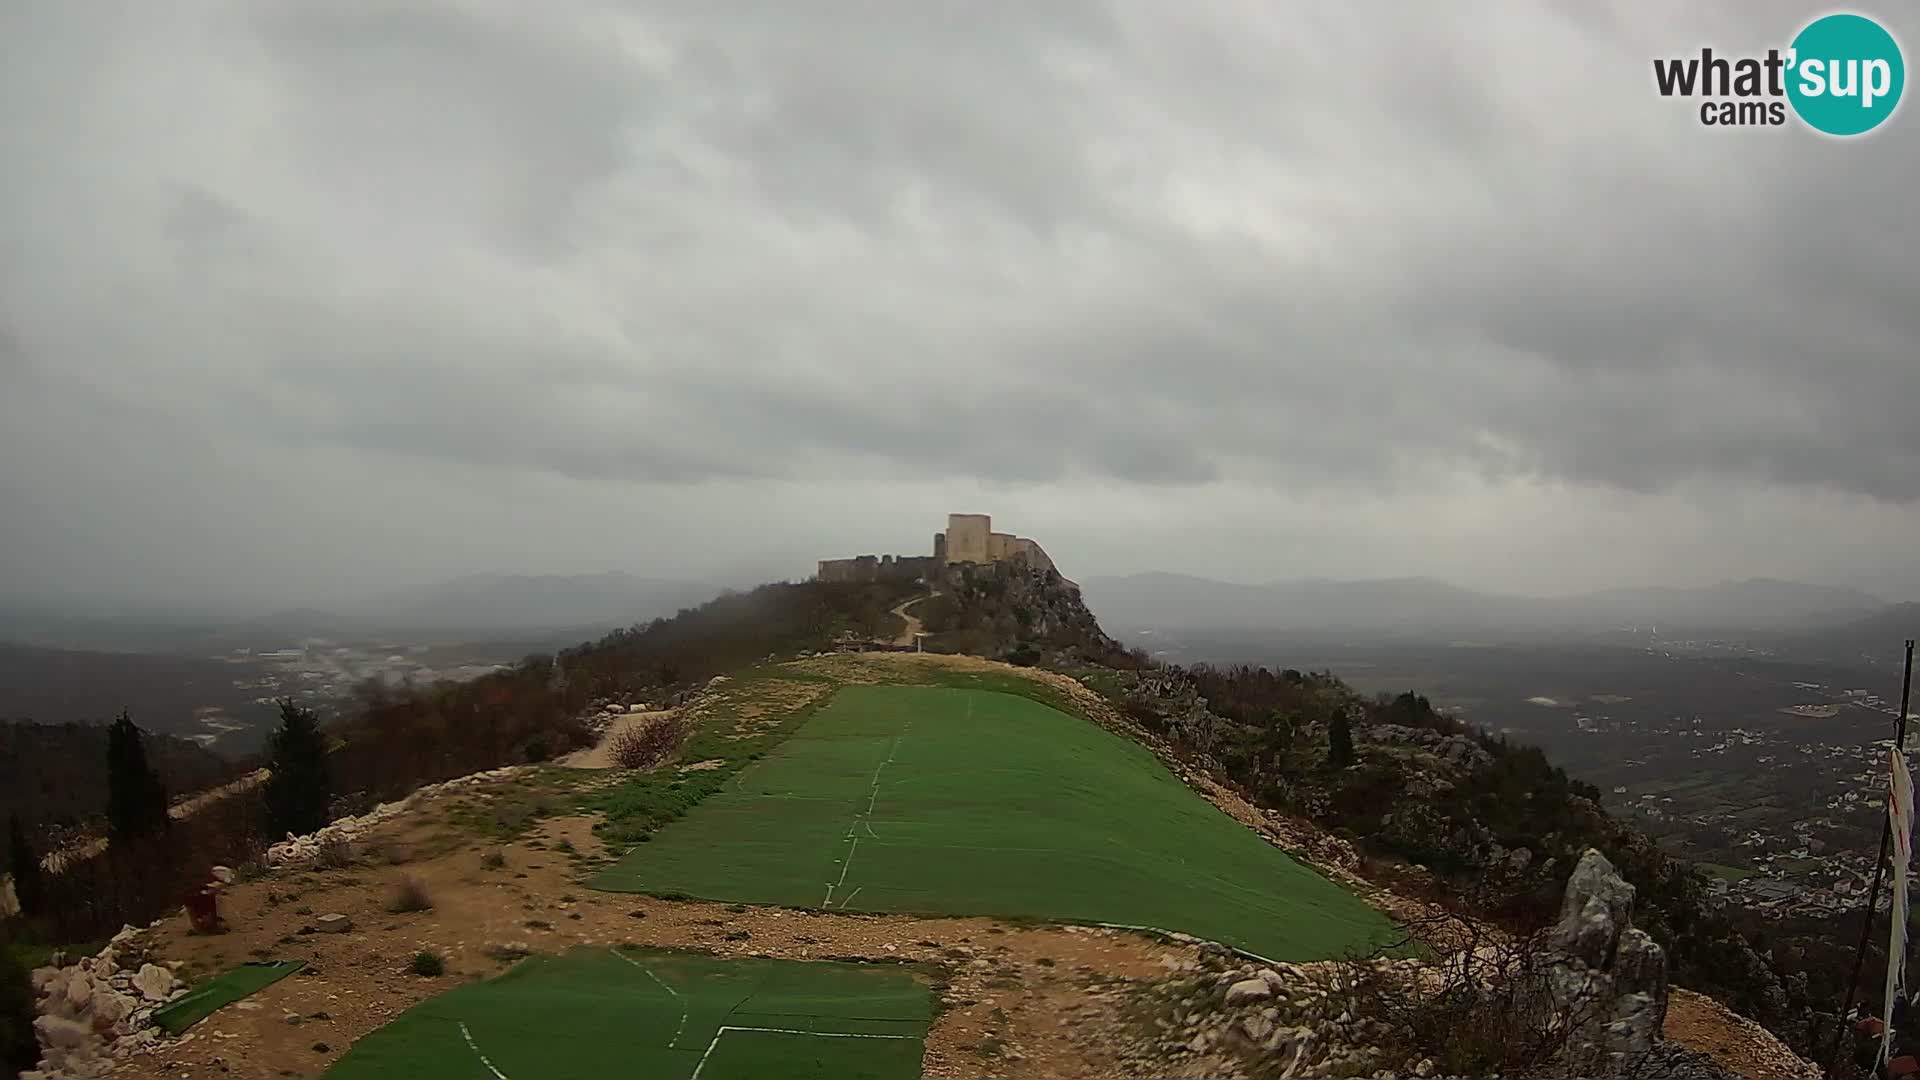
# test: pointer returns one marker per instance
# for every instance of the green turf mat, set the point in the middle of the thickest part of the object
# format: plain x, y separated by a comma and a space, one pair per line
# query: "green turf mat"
606, 1014
964, 802
225, 989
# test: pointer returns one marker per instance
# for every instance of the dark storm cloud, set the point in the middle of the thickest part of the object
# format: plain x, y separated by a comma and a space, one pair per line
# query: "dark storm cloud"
1370, 251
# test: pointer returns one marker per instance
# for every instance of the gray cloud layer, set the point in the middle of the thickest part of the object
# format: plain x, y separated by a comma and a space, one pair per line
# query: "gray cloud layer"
331, 279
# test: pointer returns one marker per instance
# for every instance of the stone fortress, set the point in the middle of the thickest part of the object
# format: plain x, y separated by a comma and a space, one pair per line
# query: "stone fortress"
969, 539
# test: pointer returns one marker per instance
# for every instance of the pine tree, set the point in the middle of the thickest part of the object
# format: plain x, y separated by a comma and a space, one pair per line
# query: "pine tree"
24, 863
1339, 741
136, 801
299, 788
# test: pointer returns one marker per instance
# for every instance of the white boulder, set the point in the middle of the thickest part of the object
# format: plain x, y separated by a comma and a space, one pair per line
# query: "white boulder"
1248, 990
79, 989
154, 982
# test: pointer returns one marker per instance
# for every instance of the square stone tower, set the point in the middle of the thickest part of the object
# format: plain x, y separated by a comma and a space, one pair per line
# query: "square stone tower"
968, 538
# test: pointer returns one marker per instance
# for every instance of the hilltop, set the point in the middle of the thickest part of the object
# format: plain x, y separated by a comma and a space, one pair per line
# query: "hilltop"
1423, 818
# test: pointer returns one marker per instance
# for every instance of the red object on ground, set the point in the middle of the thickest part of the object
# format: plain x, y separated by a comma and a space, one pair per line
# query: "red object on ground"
1870, 1025
1903, 1068
203, 910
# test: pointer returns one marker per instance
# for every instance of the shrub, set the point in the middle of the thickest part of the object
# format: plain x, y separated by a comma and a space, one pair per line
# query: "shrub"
493, 860
647, 746
410, 895
428, 964
1484, 1008
19, 1050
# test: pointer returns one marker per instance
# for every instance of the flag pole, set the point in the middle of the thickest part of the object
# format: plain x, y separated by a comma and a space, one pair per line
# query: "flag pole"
1879, 867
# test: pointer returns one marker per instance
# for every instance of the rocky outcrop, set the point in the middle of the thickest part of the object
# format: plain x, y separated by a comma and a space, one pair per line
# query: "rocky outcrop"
1586, 1001
99, 1009
1458, 751
1607, 980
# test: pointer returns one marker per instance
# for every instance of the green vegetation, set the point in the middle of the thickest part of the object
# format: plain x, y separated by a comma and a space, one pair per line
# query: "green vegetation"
136, 801
1723, 872
648, 801
19, 1050
1339, 741
429, 965
552, 1015
298, 790
944, 801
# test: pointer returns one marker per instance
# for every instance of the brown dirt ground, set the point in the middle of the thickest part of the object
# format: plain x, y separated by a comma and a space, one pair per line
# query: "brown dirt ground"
1003, 986
1700, 1023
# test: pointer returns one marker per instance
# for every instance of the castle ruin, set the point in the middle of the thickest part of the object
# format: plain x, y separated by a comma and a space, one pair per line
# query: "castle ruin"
968, 539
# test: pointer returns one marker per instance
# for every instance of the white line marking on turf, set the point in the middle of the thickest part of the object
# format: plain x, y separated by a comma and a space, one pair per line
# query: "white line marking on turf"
783, 1031
468, 1035
677, 1032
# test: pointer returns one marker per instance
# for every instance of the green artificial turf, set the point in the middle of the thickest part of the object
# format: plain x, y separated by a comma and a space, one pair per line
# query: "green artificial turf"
965, 802
223, 989
605, 1014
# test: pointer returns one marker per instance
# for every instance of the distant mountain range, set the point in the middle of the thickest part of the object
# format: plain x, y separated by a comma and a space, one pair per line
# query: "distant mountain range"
1425, 607
560, 608
520, 602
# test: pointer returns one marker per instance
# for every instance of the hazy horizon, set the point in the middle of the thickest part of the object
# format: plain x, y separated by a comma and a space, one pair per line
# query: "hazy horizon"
303, 301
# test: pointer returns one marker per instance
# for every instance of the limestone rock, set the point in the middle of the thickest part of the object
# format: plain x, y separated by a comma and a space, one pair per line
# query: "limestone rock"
1248, 990
223, 874
154, 982
1595, 879
334, 923
79, 990
58, 1033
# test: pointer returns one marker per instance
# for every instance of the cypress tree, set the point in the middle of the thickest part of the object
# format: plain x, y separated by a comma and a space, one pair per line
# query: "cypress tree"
299, 788
1339, 741
136, 800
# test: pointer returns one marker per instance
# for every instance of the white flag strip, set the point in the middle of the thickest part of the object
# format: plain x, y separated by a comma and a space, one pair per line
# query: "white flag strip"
1900, 813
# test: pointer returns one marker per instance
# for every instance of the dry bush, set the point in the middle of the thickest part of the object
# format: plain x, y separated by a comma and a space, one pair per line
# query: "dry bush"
410, 895
647, 746
1481, 1008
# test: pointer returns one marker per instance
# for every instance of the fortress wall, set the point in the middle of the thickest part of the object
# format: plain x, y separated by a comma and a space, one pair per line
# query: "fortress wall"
967, 538
997, 545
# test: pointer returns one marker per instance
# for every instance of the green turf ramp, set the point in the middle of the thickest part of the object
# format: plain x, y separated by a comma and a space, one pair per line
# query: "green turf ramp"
603, 1014
944, 801
224, 989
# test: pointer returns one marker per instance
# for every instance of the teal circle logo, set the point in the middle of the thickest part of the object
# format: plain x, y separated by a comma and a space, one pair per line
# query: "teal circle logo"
1847, 74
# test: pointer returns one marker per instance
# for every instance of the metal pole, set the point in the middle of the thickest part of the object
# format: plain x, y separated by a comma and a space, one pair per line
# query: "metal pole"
1879, 867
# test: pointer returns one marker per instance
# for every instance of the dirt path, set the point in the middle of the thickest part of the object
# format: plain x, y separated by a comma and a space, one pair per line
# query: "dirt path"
914, 626
601, 755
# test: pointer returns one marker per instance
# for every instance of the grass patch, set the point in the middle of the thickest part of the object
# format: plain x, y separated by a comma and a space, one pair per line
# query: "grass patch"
635, 809
1723, 872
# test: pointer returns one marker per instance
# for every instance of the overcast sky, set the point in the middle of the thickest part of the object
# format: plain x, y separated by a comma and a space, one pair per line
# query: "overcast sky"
298, 299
